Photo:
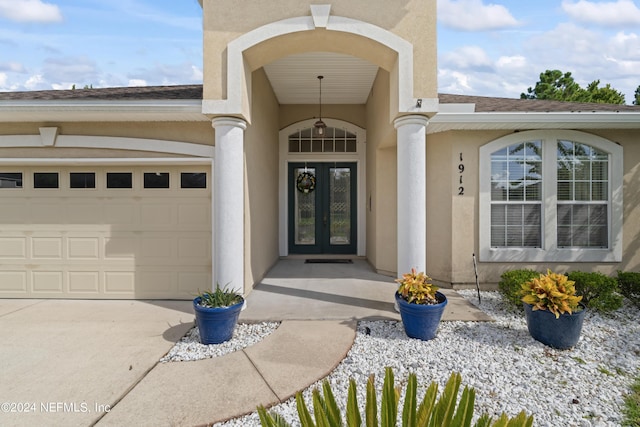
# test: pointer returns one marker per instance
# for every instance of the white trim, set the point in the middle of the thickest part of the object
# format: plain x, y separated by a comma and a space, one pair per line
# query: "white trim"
444, 121
111, 142
239, 83
80, 161
359, 157
103, 111
549, 251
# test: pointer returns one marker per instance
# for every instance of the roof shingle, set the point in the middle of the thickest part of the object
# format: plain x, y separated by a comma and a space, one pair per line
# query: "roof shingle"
483, 104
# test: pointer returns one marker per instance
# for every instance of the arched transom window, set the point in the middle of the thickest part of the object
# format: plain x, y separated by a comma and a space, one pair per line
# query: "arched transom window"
335, 140
551, 196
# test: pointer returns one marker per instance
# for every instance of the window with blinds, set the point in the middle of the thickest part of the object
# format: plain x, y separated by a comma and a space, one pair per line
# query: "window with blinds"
516, 196
583, 195
551, 195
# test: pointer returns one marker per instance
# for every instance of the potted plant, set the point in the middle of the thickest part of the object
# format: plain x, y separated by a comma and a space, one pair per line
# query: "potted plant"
553, 311
420, 305
217, 314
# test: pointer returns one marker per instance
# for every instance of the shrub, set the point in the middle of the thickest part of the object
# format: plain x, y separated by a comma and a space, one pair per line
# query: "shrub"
629, 283
443, 412
599, 292
511, 283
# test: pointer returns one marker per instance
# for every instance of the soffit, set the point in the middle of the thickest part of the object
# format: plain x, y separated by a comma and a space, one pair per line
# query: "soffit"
347, 79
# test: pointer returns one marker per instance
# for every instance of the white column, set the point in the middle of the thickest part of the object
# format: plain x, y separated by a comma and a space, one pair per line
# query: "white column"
228, 203
412, 193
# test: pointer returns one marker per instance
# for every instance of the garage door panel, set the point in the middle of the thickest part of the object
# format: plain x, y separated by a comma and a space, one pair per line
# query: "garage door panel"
193, 282
194, 215
194, 250
105, 243
120, 214
119, 282
157, 249
13, 211
88, 212
158, 282
13, 282
47, 213
121, 248
84, 281
83, 248
13, 247
46, 248
47, 282
161, 214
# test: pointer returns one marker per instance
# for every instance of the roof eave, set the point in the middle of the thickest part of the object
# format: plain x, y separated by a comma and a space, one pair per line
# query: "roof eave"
442, 122
104, 111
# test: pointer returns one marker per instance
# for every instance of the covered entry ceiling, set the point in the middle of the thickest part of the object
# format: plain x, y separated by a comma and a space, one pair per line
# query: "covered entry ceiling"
347, 79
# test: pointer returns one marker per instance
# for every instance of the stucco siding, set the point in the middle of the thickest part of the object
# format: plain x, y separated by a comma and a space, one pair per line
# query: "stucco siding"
261, 184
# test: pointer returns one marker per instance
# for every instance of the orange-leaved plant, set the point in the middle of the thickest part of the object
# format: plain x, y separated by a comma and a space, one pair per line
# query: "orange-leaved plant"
416, 288
553, 292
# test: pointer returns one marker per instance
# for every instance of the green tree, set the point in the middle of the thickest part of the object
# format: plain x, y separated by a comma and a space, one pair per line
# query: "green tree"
603, 95
553, 84
559, 86
637, 96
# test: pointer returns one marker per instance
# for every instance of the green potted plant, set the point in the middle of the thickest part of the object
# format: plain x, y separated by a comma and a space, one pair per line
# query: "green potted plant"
217, 314
553, 311
420, 305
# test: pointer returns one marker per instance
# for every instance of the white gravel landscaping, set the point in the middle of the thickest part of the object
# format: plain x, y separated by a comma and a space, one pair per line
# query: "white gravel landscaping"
245, 334
510, 371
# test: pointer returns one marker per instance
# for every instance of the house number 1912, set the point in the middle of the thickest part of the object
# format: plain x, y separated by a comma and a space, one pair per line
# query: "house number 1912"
461, 173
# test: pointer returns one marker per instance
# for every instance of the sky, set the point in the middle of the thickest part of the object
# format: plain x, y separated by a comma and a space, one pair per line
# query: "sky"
485, 47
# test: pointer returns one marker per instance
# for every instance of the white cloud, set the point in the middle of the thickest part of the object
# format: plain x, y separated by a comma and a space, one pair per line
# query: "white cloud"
468, 57
588, 54
80, 70
507, 63
137, 83
12, 67
620, 12
566, 44
474, 15
454, 82
196, 74
3, 79
35, 82
29, 11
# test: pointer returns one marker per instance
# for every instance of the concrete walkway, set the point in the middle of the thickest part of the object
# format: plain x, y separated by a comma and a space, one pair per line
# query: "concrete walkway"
85, 362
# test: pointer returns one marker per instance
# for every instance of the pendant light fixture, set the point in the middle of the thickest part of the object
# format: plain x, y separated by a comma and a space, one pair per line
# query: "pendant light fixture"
320, 127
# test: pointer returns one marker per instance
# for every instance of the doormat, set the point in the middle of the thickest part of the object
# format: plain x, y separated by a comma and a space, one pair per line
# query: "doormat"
328, 261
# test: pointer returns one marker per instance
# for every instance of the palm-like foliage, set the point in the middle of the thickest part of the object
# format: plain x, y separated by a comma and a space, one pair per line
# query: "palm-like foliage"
443, 412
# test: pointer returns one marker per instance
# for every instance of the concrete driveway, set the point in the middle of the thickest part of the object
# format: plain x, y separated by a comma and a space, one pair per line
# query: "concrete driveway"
67, 362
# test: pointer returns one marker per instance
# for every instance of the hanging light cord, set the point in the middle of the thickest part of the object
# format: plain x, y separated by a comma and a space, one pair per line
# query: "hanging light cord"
320, 78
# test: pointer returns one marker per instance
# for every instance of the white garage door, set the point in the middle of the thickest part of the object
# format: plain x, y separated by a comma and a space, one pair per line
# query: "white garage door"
105, 232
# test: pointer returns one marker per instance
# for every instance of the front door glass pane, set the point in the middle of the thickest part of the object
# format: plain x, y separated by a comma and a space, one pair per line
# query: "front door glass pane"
340, 206
305, 212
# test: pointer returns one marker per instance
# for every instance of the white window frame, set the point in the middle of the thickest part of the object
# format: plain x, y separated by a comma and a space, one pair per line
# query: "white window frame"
549, 251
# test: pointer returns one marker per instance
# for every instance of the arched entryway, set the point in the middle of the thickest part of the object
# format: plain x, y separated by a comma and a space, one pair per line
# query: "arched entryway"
386, 107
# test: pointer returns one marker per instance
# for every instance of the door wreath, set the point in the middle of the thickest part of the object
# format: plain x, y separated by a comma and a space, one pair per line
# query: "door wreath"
306, 182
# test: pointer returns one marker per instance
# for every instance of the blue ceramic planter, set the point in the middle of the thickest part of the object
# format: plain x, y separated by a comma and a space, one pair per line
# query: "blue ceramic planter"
561, 333
216, 325
421, 321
